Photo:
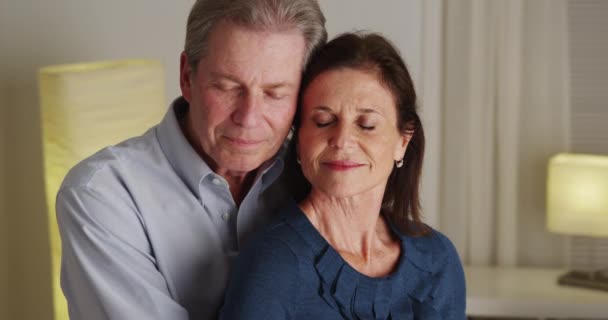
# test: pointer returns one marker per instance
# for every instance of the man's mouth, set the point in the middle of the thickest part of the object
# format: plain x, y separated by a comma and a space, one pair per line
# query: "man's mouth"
244, 142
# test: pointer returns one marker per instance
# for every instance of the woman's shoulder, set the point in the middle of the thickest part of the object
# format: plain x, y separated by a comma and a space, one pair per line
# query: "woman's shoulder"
432, 250
440, 280
269, 255
280, 237
267, 270
276, 239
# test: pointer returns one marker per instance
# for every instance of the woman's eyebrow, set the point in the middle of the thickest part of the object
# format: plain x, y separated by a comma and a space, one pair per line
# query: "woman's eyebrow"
367, 110
322, 108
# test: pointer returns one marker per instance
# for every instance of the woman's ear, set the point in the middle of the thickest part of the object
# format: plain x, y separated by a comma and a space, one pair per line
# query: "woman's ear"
402, 146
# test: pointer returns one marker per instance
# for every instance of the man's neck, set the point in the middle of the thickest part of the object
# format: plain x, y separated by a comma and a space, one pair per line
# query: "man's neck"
239, 184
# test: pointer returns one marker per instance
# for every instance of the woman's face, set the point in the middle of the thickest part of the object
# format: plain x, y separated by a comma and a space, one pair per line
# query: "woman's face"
348, 139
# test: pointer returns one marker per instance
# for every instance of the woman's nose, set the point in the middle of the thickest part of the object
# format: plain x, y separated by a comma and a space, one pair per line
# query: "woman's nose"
341, 137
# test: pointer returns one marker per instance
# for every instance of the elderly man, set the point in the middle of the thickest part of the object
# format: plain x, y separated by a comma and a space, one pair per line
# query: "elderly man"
149, 226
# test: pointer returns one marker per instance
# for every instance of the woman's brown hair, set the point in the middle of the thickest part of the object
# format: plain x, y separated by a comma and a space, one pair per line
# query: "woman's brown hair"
374, 53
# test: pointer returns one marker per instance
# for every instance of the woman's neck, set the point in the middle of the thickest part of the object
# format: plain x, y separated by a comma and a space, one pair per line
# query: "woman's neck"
354, 227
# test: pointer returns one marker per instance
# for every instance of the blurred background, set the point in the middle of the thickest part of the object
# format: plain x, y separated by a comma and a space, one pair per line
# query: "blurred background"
503, 85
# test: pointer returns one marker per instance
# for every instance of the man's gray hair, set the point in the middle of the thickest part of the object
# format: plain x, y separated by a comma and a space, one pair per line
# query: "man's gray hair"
263, 15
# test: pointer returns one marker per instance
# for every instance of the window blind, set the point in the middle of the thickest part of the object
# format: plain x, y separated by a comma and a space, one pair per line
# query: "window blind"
588, 49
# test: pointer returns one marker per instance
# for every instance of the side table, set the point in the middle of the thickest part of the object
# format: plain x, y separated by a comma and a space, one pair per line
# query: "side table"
531, 293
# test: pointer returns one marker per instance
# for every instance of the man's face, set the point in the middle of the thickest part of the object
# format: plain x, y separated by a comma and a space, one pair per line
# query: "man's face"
242, 96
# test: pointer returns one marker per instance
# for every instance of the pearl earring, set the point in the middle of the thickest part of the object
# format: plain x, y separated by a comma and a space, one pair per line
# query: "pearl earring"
399, 163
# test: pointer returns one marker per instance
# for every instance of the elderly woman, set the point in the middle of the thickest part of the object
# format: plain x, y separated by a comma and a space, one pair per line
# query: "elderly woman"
352, 244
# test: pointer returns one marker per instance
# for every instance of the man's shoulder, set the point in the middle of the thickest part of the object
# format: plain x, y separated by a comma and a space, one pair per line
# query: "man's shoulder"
114, 161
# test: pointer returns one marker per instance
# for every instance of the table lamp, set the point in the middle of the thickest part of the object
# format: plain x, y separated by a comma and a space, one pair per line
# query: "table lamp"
85, 107
577, 204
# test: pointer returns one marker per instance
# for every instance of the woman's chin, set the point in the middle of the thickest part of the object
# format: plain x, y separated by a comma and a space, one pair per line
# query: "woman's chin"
343, 190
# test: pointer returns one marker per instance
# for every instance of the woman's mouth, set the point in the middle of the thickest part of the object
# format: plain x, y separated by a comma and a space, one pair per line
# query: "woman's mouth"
341, 165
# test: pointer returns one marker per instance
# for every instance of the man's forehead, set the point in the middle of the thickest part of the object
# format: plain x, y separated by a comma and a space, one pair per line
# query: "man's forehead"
270, 83
229, 37
237, 54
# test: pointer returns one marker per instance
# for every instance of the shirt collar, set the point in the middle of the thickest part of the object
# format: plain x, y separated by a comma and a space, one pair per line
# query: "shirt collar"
270, 170
189, 165
181, 155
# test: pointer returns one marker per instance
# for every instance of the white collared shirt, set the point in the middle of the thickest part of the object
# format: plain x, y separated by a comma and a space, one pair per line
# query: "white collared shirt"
149, 230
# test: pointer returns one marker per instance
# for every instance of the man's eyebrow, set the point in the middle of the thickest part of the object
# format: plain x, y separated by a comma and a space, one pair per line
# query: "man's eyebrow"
219, 75
270, 86
279, 85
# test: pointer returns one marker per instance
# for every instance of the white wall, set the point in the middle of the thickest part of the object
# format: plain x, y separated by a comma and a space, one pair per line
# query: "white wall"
4, 288
3, 222
3, 208
4, 261
38, 33
398, 20
53, 32
66, 31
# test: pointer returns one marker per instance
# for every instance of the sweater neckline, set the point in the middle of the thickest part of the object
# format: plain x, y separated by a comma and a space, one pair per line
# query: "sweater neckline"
331, 255
356, 295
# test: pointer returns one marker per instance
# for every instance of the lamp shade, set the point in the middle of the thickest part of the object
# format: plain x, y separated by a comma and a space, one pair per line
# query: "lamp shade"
85, 107
577, 195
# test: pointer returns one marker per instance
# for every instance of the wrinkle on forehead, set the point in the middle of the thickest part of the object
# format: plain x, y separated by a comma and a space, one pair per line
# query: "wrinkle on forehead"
349, 89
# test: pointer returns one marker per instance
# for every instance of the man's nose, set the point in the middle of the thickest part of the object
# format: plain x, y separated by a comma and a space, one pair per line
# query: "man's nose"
248, 112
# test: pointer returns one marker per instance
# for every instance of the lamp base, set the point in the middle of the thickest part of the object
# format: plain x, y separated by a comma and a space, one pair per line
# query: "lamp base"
597, 280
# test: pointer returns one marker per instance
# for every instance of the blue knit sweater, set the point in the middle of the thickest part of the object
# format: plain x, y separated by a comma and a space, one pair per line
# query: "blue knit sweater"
291, 272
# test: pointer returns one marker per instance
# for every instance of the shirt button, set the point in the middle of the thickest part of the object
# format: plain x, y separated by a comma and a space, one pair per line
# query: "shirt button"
225, 216
216, 181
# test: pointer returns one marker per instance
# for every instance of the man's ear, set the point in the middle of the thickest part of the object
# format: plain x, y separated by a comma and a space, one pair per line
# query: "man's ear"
185, 77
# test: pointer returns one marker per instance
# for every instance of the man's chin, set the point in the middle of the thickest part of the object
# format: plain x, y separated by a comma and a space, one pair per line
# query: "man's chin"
243, 159
241, 163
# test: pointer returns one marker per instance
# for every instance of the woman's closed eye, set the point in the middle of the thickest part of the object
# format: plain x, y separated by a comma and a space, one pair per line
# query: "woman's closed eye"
367, 127
367, 123
323, 120
323, 124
